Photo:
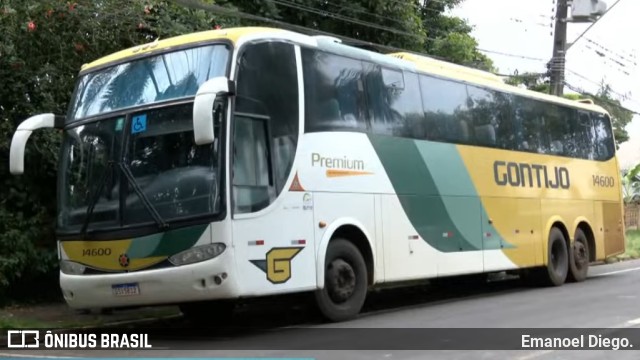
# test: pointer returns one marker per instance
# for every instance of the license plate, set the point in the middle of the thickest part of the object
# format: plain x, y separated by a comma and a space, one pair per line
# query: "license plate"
125, 289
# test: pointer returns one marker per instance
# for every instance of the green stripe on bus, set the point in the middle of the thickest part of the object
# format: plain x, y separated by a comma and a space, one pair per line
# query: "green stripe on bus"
436, 193
166, 244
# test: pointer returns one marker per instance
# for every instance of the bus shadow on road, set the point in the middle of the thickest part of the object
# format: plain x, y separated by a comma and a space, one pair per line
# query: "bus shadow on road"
298, 310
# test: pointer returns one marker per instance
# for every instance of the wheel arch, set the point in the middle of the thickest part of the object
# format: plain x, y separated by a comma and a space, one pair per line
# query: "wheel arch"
352, 230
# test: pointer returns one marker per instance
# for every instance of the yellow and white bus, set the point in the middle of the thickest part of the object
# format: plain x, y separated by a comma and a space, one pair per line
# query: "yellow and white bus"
249, 162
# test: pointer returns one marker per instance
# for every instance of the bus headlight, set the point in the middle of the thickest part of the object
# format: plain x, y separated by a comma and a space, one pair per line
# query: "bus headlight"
72, 267
197, 254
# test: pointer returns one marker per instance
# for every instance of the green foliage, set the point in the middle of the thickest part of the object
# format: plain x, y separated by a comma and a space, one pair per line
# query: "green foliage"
419, 26
620, 117
450, 37
632, 244
631, 184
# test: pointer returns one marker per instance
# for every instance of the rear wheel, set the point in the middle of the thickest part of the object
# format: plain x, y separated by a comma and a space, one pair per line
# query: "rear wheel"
579, 258
345, 282
556, 271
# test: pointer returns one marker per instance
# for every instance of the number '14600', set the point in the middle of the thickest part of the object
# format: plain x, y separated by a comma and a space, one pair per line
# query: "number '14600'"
603, 181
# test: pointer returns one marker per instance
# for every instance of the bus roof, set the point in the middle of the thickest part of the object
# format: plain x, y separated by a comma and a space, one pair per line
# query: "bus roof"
405, 60
231, 34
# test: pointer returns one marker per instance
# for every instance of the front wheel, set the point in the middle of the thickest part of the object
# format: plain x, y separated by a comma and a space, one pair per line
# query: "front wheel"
345, 282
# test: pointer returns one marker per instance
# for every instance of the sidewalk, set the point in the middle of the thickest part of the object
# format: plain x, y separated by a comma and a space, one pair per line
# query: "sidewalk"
62, 316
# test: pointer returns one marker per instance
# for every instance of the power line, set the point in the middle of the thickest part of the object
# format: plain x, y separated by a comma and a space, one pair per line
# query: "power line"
345, 18
592, 25
195, 4
511, 55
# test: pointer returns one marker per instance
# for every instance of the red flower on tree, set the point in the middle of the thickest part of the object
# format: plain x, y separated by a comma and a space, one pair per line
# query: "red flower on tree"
49, 13
31, 26
72, 6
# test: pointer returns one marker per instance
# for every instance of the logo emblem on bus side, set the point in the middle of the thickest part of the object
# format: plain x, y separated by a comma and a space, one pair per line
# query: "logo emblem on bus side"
123, 259
277, 266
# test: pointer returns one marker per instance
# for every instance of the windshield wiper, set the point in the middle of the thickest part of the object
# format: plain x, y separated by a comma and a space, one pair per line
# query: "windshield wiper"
108, 172
145, 200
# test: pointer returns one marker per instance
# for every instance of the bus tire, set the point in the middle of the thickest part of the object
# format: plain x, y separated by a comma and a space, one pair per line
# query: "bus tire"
557, 269
579, 258
216, 312
345, 282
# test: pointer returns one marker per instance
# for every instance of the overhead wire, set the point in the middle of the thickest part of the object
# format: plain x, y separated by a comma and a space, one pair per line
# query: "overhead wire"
236, 13
591, 26
344, 18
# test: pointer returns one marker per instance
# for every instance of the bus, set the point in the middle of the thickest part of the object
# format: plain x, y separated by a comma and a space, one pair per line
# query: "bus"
249, 162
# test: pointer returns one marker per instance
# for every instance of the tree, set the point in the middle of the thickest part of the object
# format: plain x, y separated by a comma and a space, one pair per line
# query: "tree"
631, 184
620, 117
419, 26
449, 37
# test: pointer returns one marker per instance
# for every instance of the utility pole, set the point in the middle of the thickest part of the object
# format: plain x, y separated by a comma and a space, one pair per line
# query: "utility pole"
556, 65
582, 11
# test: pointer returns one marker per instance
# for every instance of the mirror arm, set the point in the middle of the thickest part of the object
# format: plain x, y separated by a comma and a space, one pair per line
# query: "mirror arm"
21, 136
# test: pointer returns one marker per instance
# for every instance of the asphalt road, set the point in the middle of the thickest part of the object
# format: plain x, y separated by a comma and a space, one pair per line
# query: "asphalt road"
608, 299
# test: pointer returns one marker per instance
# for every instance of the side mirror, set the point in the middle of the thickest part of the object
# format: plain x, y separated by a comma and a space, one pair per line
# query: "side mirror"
203, 108
21, 136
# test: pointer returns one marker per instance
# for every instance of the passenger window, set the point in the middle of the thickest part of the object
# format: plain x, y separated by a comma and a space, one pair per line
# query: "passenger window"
556, 129
444, 101
529, 122
482, 116
334, 92
605, 144
506, 127
393, 98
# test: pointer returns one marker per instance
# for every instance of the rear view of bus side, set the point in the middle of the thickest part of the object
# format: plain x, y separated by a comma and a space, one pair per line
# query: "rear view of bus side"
448, 171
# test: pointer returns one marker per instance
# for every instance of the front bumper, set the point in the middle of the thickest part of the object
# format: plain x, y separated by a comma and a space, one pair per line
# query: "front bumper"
207, 280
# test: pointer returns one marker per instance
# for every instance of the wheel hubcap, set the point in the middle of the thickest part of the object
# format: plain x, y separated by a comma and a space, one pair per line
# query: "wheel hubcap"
341, 280
580, 254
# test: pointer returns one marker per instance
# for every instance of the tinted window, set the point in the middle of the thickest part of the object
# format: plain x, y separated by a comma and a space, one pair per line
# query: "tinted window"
529, 121
334, 96
585, 135
394, 101
482, 116
400, 103
555, 128
506, 127
604, 136
444, 104
266, 124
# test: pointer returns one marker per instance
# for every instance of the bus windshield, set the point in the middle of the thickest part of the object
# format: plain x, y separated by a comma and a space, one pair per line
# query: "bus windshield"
153, 79
141, 166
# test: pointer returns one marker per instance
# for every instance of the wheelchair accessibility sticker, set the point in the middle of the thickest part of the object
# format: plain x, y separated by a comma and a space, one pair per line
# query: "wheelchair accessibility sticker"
139, 123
